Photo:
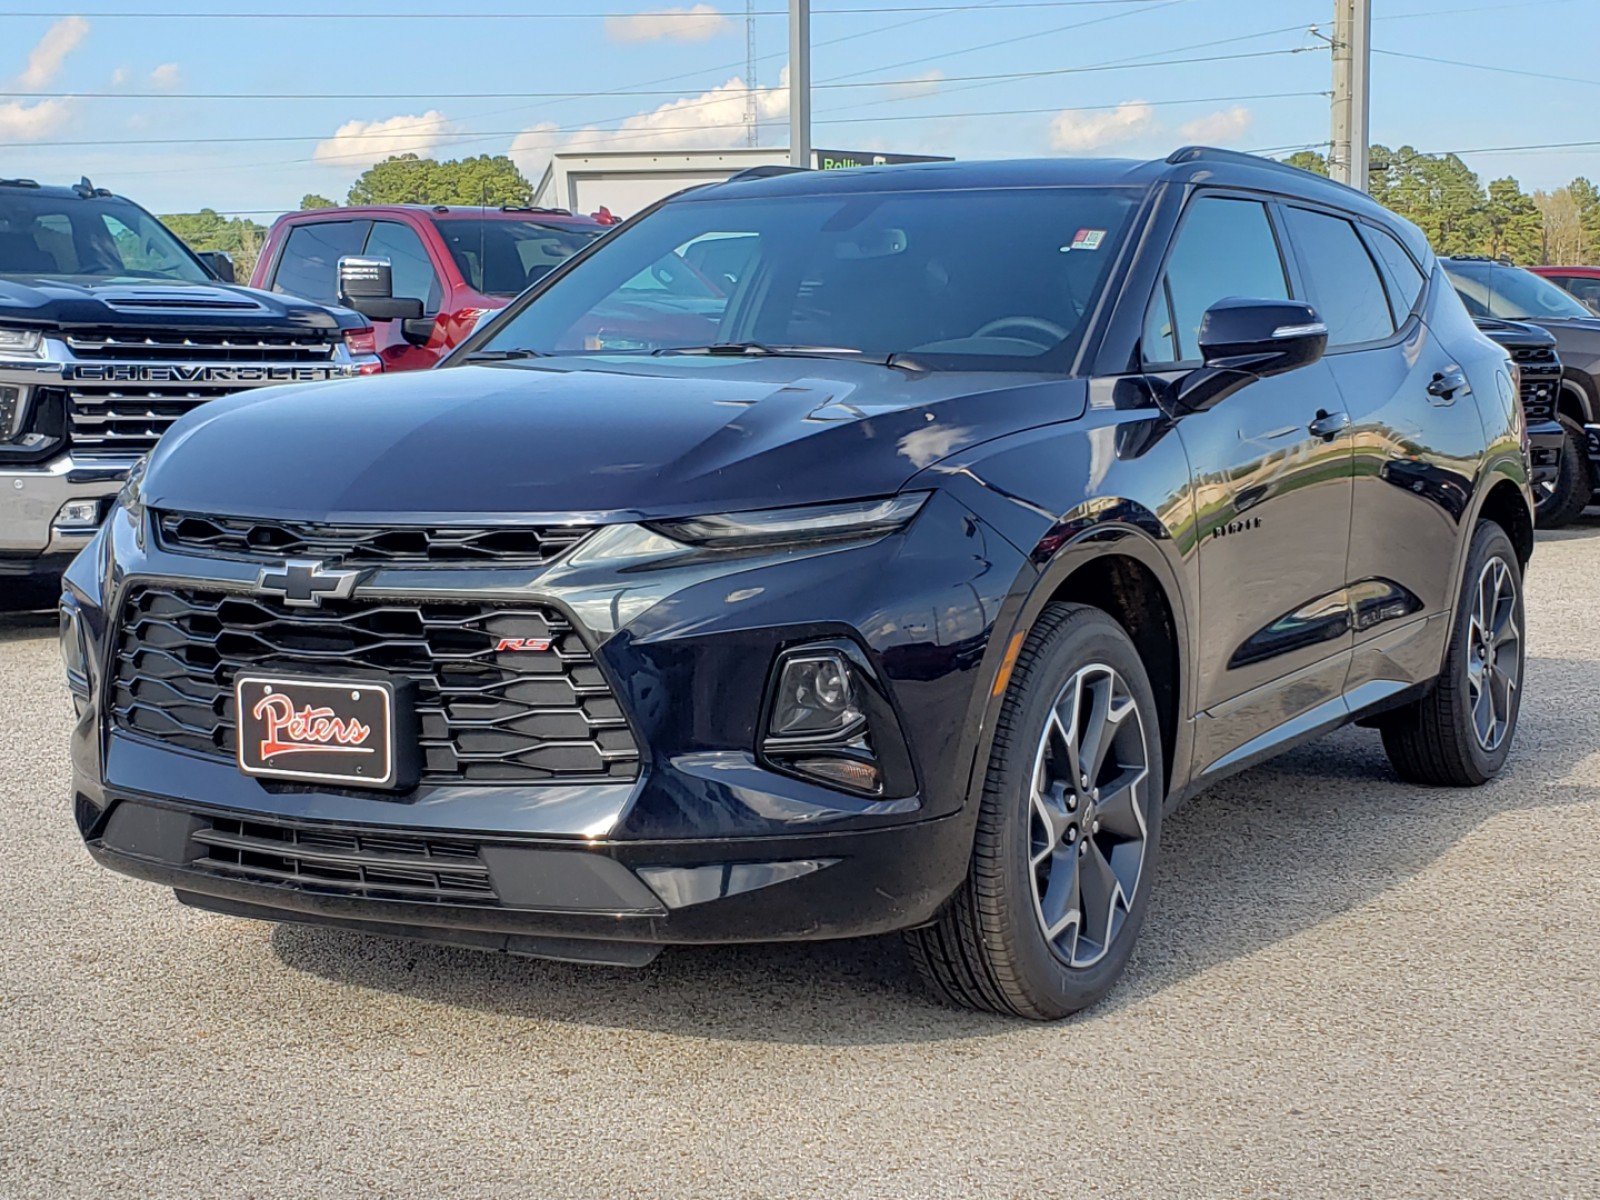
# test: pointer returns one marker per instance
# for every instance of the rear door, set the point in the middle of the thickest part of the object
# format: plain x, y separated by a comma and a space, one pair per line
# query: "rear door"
1416, 436
1273, 495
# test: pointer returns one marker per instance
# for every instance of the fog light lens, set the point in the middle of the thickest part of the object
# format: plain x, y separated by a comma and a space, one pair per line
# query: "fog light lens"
79, 514
816, 697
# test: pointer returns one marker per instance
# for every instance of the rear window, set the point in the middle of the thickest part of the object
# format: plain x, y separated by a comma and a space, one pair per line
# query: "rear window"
1343, 279
501, 258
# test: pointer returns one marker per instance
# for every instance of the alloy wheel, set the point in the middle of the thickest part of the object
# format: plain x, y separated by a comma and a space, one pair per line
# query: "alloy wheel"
1494, 654
1088, 830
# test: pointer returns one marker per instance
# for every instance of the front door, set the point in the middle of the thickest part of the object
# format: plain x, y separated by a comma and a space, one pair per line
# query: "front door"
1272, 482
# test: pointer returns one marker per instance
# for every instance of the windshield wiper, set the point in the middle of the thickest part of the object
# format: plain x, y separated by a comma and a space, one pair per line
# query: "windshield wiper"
501, 355
763, 349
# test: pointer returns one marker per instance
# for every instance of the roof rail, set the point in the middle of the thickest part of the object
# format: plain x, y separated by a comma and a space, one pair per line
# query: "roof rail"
764, 171
33, 183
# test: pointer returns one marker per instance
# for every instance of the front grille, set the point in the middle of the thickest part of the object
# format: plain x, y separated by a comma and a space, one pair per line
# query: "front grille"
372, 864
375, 544
1541, 381
128, 421
166, 345
484, 716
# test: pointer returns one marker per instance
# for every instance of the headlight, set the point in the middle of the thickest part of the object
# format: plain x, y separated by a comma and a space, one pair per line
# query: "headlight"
795, 526
20, 343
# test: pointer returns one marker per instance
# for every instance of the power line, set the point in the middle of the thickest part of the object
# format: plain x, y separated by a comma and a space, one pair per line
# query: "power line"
871, 83
587, 128
588, 15
1456, 62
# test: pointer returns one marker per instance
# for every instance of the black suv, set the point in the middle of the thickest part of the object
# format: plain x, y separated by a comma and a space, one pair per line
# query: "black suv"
1495, 292
989, 511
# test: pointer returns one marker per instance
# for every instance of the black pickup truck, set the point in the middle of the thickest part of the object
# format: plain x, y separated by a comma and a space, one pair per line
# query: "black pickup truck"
1551, 450
110, 330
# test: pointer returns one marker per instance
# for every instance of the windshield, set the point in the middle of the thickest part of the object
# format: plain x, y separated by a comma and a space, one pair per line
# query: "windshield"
985, 278
98, 238
501, 258
1510, 293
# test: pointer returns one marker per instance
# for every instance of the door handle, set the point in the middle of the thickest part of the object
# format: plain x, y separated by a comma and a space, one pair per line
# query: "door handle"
1445, 384
1327, 425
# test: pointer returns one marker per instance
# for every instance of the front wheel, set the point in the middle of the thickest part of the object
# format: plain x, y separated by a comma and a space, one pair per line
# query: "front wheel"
1460, 733
1068, 826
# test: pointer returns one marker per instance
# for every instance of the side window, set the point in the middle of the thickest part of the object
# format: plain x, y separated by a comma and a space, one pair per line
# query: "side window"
309, 261
1404, 276
1225, 248
1584, 288
1341, 277
414, 276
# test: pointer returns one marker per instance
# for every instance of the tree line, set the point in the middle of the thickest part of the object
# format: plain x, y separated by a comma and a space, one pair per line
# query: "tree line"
1461, 215
491, 180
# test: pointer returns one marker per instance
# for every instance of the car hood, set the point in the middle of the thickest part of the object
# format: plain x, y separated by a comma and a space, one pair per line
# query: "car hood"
171, 304
1577, 342
1514, 333
594, 439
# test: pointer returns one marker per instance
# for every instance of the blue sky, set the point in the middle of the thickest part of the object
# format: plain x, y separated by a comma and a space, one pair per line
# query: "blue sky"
142, 85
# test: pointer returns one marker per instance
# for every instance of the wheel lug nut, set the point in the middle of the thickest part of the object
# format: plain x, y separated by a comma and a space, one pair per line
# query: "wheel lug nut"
1096, 827
1072, 834
1083, 847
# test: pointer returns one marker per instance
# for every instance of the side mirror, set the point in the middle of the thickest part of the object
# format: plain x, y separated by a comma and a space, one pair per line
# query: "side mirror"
219, 263
1244, 340
367, 285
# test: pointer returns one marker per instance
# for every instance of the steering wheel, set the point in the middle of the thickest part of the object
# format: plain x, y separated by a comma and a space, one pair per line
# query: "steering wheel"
1035, 325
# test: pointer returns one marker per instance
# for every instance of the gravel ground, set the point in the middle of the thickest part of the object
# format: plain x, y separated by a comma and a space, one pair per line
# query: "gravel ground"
1346, 987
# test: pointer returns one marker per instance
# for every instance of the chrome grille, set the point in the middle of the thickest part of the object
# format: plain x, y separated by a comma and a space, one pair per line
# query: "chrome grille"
377, 544
128, 421
165, 345
484, 715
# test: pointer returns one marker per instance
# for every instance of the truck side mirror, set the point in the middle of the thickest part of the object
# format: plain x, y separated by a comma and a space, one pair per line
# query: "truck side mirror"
219, 263
367, 285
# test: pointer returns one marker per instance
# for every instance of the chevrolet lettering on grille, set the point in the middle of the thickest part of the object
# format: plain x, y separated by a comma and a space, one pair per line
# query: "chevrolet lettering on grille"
203, 373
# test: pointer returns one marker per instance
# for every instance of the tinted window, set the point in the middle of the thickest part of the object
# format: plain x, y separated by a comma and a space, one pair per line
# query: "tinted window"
310, 259
413, 272
973, 278
501, 257
1225, 248
97, 237
1490, 290
1343, 281
1404, 276
1583, 287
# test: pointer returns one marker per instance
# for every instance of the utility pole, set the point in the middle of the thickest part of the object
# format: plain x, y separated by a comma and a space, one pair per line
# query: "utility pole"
750, 72
800, 83
1352, 91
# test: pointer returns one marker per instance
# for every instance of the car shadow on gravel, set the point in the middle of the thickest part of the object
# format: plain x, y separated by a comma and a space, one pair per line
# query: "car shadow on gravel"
1585, 527
1254, 861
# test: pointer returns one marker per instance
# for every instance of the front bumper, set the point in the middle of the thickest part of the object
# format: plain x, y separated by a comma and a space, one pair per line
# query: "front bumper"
605, 901
708, 843
31, 500
1546, 440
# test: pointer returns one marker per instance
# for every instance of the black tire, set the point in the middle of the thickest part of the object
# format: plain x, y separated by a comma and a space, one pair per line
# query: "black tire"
1436, 740
988, 949
1563, 501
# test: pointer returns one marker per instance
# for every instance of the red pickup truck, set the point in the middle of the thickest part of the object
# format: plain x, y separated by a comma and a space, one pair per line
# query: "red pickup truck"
458, 262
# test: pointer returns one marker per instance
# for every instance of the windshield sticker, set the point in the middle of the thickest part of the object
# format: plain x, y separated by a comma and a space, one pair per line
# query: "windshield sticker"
1087, 239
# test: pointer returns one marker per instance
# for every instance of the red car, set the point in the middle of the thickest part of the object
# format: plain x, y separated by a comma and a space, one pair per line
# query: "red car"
458, 262
1582, 282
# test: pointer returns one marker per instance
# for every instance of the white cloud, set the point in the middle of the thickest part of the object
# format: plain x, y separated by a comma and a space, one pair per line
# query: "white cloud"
120, 76
713, 120
45, 59
29, 122
1077, 129
362, 143
166, 76
1222, 126
925, 84
698, 23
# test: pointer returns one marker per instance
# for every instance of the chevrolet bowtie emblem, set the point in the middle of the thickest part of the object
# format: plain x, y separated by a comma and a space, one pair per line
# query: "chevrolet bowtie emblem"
303, 582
